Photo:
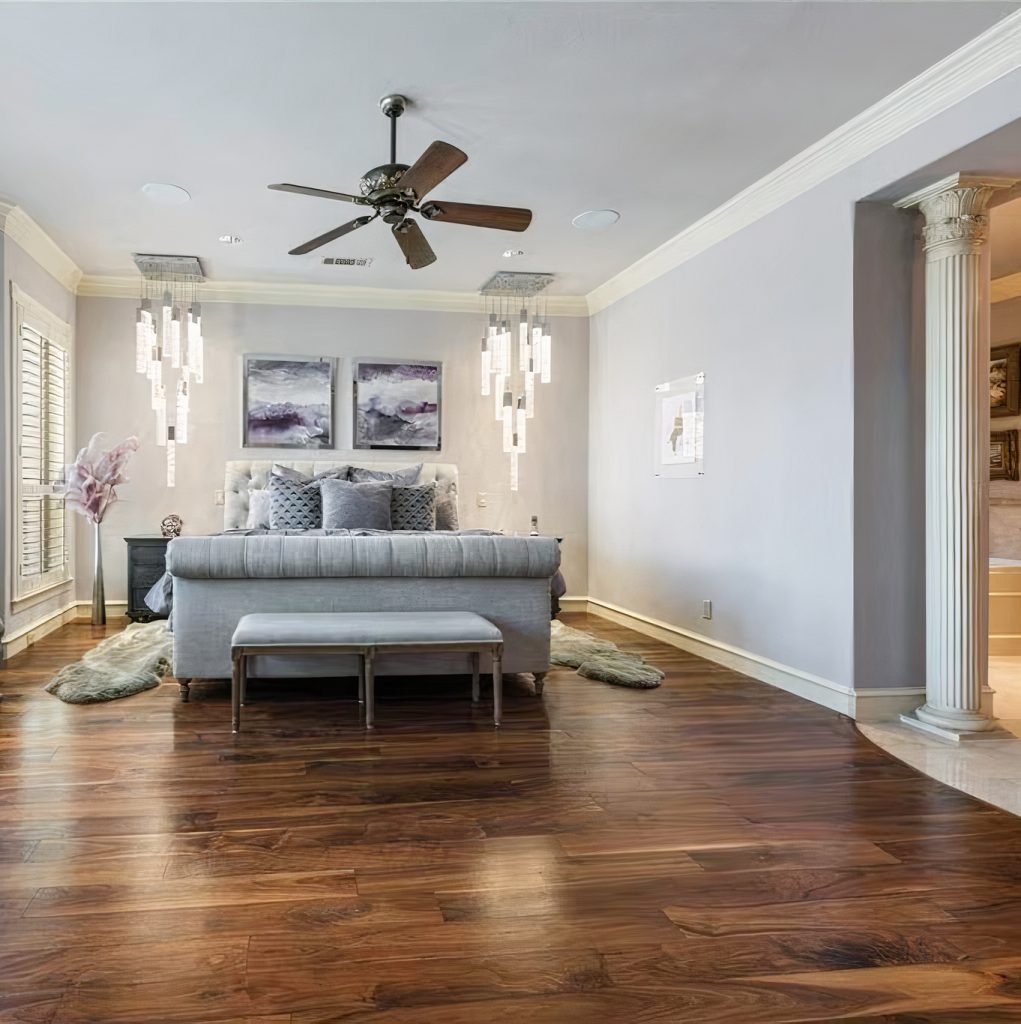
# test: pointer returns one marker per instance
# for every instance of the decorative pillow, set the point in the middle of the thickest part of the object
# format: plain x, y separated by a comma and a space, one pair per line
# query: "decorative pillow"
356, 506
294, 506
398, 477
338, 472
446, 506
413, 508
259, 513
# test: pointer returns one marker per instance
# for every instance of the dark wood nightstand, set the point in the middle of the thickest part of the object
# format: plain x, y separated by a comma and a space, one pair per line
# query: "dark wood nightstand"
147, 561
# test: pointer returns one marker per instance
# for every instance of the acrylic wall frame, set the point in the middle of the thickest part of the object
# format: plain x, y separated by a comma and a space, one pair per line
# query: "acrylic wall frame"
679, 433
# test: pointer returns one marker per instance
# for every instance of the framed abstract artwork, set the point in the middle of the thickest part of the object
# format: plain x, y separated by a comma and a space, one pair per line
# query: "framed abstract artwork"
1005, 380
1003, 455
287, 402
397, 404
679, 430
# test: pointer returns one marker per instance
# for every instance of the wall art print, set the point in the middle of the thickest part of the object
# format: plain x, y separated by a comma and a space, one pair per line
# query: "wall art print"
1003, 455
397, 404
679, 431
287, 402
1005, 380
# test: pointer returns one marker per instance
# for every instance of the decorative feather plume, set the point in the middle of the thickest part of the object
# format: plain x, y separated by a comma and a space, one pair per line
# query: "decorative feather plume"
93, 477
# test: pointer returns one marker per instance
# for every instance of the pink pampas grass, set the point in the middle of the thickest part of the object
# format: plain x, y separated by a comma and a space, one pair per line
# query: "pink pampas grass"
93, 477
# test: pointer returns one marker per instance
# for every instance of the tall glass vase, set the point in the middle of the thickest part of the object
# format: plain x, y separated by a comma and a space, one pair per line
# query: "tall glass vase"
98, 594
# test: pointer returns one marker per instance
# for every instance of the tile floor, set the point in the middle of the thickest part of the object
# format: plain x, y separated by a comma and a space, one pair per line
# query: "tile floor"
987, 769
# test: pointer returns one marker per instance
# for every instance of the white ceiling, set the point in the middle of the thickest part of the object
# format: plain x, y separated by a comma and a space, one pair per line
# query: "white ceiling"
661, 111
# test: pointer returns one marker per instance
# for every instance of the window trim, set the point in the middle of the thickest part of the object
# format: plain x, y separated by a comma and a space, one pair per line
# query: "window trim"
26, 311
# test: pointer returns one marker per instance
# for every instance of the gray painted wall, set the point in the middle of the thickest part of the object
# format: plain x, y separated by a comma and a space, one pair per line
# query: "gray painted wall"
19, 267
113, 399
770, 532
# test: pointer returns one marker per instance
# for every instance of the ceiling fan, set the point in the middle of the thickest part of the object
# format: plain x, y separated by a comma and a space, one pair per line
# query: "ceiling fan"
394, 190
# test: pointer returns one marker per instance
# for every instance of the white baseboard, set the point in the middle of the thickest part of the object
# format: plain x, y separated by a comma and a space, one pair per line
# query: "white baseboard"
22, 639
574, 604
872, 705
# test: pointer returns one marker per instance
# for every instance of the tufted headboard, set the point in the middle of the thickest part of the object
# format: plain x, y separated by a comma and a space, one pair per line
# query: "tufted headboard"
244, 476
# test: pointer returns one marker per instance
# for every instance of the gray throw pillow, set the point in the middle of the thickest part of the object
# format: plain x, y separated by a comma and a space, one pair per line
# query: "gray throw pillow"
293, 505
413, 508
446, 506
259, 510
356, 506
398, 477
339, 472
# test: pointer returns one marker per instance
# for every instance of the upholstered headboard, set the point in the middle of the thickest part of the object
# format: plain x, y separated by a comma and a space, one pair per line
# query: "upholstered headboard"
244, 476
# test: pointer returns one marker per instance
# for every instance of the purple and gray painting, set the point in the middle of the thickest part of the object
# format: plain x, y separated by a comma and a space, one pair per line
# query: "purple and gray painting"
397, 405
290, 403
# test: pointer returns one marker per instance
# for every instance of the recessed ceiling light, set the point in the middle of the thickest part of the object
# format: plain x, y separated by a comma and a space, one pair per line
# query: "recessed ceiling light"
511, 253
231, 239
165, 195
595, 220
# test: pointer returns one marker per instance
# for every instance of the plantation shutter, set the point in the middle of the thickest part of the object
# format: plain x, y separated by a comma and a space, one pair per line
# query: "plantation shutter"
43, 410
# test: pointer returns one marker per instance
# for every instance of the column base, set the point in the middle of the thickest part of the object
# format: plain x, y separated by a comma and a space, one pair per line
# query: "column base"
942, 729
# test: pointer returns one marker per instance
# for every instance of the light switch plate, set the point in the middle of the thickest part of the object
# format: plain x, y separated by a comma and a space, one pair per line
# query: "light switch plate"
707, 609
218, 497
482, 499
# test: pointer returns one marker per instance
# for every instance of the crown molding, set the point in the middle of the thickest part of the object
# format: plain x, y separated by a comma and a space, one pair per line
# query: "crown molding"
19, 227
1003, 289
339, 296
977, 64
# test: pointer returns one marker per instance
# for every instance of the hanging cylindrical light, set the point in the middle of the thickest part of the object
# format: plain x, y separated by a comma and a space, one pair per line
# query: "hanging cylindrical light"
508, 421
156, 382
161, 417
166, 312
499, 382
514, 468
171, 458
530, 389
546, 364
521, 420
181, 421
143, 325
175, 338
523, 340
487, 365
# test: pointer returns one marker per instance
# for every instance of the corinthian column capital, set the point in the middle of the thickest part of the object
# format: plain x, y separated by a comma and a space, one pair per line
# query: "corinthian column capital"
955, 210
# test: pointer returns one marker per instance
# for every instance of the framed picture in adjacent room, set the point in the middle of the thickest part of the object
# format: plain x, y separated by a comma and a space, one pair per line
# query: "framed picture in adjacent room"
1003, 461
1005, 380
397, 404
287, 402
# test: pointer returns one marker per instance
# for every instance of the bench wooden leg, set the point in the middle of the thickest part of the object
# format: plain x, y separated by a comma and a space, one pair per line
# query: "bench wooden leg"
185, 685
361, 678
235, 695
540, 681
475, 677
244, 679
370, 689
497, 686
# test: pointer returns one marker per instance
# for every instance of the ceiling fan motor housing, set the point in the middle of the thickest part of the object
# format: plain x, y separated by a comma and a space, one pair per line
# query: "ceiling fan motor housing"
381, 179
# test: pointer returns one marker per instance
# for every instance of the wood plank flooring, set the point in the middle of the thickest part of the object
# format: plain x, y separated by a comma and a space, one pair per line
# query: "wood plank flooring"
714, 850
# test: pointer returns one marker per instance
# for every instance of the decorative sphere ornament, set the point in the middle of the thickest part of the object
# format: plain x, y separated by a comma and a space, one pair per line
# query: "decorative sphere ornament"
171, 526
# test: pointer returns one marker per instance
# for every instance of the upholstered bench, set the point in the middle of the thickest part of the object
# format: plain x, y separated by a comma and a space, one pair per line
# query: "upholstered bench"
366, 634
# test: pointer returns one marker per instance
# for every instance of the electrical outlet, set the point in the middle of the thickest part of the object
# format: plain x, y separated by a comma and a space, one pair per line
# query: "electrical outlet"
707, 609
218, 497
482, 499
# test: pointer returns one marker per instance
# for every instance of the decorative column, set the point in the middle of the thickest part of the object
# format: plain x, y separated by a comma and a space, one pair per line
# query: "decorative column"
956, 455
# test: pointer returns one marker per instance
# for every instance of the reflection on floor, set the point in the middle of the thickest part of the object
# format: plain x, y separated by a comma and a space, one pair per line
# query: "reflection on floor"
987, 769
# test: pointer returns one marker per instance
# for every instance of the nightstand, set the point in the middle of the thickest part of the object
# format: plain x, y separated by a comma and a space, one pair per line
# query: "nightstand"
147, 561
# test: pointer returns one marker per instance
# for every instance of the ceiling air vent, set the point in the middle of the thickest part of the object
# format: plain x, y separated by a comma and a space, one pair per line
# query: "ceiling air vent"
347, 261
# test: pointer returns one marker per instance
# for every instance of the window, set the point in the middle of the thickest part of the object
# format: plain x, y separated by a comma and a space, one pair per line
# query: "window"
41, 409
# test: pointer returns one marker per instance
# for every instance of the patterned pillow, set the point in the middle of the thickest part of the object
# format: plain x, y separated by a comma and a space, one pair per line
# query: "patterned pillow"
413, 508
446, 506
398, 477
293, 505
351, 506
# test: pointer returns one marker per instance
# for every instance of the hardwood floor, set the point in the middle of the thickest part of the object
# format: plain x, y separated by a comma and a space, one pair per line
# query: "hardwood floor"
715, 850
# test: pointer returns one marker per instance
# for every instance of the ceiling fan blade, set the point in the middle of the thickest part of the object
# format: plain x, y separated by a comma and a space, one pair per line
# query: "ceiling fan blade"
322, 193
315, 243
416, 249
505, 218
438, 162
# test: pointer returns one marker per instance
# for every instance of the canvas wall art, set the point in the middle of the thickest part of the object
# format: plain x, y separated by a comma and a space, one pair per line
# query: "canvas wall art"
397, 404
1005, 380
679, 430
288, 402
1003, 455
